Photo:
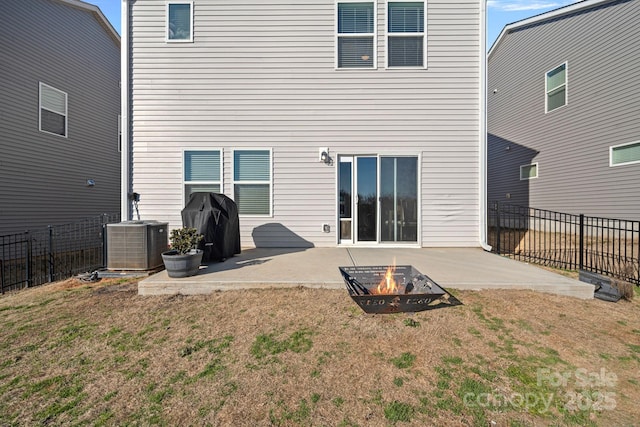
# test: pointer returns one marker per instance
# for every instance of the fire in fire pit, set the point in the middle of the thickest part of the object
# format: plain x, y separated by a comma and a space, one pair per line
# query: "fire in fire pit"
381, 289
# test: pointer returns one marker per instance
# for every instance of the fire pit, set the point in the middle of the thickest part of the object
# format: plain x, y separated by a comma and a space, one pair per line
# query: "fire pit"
382, 289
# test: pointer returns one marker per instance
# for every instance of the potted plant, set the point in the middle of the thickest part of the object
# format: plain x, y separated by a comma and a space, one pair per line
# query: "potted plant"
184, 258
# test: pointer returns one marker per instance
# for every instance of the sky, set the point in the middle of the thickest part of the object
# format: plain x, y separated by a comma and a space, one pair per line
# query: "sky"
500, 12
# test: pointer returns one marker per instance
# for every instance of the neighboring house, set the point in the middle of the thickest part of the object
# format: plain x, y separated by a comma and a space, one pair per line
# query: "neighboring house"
59, 108
346, 122
564, 111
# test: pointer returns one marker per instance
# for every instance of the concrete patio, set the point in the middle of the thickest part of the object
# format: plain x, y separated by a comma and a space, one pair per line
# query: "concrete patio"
451, 268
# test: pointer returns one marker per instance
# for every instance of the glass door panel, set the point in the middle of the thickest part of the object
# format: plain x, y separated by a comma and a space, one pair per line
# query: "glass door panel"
367, 198
345, 201
399, 199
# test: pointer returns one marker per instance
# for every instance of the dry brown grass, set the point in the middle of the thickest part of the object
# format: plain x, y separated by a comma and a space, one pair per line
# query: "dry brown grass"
98, 354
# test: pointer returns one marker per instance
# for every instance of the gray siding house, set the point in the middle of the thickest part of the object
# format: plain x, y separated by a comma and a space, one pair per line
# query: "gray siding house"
564, 111
329, 122
59, 109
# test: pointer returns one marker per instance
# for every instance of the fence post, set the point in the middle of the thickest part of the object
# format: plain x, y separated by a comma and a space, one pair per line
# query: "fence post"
50, 254
497, 206
581, 245
28, 260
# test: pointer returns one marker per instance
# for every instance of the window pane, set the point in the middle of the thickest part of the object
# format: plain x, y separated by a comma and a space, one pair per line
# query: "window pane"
406, 51
556, 98
355, 52
528, 171
252, 199
179, 21
406, 17
52, 122
199, 188
251, 165
625, 154
556, 77
399, 199
53, 100
202, 166
355, 18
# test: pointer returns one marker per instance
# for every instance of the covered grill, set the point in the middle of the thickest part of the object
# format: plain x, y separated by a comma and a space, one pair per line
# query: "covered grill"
413, 291
215, 216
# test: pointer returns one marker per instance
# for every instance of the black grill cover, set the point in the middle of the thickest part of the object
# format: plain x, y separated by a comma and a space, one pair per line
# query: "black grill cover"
215, 216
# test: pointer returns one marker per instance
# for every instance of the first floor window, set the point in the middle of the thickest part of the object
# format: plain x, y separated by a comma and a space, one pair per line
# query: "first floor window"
53, 110
202, 172
180, 21
355, 34
529, 171
252, 181
405, 34
625, 154
556, 84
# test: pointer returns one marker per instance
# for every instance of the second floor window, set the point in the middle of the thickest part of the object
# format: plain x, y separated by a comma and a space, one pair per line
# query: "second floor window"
53, 110
405, 34
180, 22
556, 86
356, 34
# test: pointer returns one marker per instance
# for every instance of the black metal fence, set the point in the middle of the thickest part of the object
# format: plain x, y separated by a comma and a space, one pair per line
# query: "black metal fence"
55, 253
572, 242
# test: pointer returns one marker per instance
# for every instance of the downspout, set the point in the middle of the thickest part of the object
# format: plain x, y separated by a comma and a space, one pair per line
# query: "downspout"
125, 164
483, 127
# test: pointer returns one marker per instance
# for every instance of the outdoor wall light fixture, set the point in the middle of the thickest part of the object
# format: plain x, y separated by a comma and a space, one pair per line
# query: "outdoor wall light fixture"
324, 155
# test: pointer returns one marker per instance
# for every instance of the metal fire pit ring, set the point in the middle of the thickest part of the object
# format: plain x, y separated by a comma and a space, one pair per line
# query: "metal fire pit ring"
416, 291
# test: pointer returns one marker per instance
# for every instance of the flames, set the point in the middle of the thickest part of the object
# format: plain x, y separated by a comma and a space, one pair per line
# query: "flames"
388, 285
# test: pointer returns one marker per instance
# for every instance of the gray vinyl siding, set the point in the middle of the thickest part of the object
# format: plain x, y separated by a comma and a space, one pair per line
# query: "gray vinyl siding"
43, 177
570, 144
261, 74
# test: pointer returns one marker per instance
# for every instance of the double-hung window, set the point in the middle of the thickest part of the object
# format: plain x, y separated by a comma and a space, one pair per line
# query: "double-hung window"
252, 181
180, 21
202, 172
53, 110
355, 34
556, 87
406, 34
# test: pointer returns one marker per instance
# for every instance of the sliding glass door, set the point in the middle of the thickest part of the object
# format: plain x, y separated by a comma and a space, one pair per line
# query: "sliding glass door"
378, 199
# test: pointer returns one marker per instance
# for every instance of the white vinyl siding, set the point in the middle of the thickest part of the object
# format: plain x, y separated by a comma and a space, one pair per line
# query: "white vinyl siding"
625, 154
261, 76
355, 34
252, 181
405, 34
556, 88
202, 172
180, 22
53, 110
529, 171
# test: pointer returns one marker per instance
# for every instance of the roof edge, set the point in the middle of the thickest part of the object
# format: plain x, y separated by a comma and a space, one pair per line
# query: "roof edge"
552, 14
95, 10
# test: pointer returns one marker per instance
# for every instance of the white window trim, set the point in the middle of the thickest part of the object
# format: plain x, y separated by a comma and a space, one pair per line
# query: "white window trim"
386, 37
374, 35
566, 87
611, 148
66, 111
234, 182
530, 177
166, 23
185, 183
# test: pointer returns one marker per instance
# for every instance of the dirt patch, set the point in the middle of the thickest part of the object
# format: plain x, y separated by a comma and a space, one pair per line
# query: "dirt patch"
78, 353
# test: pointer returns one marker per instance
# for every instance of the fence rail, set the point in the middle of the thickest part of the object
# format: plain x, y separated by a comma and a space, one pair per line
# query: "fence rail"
58, 252
573, 242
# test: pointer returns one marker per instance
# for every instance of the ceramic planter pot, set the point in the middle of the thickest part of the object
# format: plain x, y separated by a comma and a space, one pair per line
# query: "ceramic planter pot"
182, 265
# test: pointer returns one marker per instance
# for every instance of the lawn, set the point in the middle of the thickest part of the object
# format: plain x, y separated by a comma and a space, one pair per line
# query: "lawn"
75, 353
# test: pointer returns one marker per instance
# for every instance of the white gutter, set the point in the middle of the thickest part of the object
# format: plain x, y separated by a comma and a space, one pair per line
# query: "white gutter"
483, 127
125, 204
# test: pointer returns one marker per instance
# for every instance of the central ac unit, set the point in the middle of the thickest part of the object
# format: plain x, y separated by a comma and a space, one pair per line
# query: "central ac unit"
136, 245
